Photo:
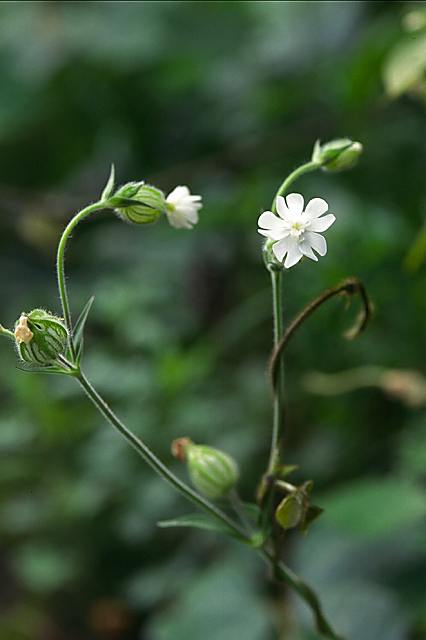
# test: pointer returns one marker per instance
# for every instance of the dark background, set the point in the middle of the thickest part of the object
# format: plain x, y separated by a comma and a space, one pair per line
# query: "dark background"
227, 97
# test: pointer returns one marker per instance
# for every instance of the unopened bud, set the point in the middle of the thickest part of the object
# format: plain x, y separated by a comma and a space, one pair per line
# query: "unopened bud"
40, 337
290, 511
213, 472
337, 155
138, 203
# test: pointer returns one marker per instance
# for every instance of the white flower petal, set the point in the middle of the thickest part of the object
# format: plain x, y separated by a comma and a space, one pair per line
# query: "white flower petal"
177, 193
282, 208
274, 227
323, 223
268, 220
293, 255
315, 208
317, 242
281, 247
295, 203
306, 249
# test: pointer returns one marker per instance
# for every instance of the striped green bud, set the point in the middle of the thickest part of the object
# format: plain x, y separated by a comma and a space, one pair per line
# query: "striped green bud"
139, 203
337, 155
40, 337
213, 472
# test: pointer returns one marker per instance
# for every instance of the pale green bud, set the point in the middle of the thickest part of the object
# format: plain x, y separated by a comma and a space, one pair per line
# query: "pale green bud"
290, 511
40, 337
337, 155
213, 472
138, 203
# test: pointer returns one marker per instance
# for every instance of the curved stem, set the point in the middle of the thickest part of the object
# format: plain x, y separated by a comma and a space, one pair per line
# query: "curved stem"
283, 574
156, 464
304, 168
60, 266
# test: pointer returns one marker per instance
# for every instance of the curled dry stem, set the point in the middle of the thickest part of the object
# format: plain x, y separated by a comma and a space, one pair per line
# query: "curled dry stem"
350, 287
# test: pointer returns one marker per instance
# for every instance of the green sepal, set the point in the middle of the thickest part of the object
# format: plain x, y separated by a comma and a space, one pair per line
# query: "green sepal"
109, 187
78, 334
312, 513
201, 521
284, 470
38, 368
119, 202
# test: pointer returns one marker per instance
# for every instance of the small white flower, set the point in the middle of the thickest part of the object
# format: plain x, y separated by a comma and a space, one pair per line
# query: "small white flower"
182, 208
294, 230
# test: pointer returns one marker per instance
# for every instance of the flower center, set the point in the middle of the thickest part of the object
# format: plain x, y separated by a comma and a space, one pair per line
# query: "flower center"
297, 229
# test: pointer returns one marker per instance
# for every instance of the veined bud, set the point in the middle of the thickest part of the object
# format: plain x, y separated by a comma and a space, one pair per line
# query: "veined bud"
138, 203
337, 155
213, 472
40, 337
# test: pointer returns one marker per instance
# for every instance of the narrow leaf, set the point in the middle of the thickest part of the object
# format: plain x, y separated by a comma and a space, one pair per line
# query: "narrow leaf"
109, 187
79, 328
198, 521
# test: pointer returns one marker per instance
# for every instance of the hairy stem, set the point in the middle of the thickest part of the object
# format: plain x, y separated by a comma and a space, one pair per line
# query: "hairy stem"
278, 409
60, 267
6, 333
151, 459
304, 168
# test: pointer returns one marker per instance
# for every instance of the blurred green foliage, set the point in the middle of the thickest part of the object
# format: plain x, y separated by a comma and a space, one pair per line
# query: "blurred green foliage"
227, 98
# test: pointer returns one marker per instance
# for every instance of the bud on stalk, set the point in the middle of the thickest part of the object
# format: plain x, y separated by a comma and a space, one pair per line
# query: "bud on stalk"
337, 155
138, 203
40, 337
213, 472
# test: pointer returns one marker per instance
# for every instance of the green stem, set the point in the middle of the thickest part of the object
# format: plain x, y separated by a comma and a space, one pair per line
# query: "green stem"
6, 333
285, 575
151, 459
60, 266
278, 419
278, 410
304, 168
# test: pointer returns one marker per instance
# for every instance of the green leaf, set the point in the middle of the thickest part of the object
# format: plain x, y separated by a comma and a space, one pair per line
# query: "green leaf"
200, 521
109, 187
406, 66
78, 337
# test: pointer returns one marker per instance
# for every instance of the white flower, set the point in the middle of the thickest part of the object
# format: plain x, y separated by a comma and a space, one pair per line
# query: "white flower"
294, 230
182, 208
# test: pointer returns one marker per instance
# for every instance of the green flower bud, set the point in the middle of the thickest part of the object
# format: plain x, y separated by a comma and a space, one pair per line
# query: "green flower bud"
40, 337
138, 203
337, 155
213, 472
